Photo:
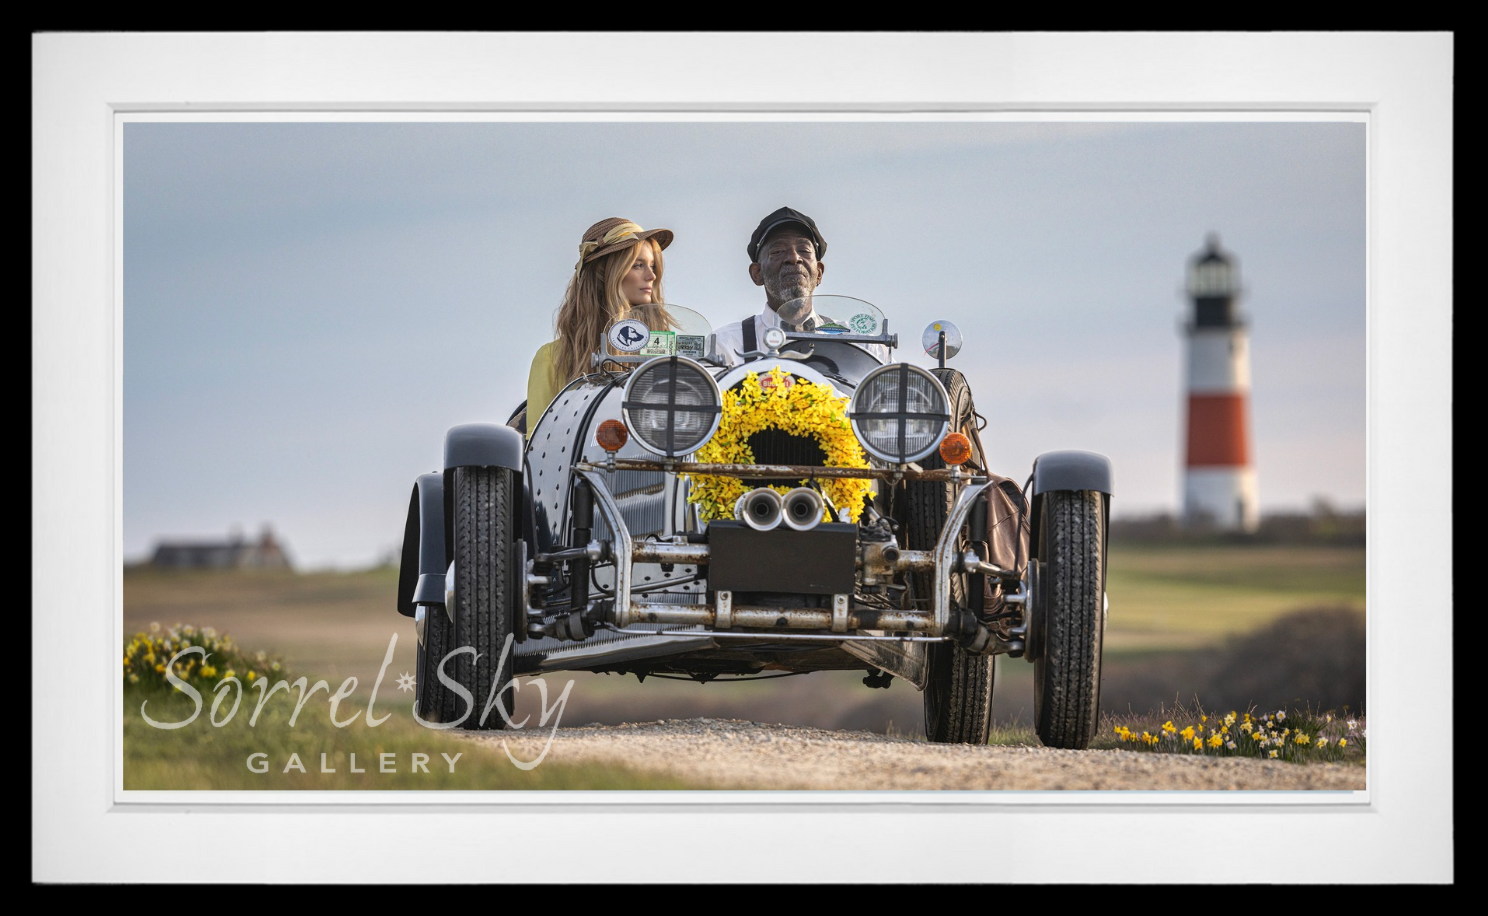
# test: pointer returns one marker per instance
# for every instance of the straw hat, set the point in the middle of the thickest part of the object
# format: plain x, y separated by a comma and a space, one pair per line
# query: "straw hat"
610, 235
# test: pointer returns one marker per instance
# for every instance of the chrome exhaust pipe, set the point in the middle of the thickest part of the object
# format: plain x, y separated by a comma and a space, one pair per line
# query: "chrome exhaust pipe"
760, 509
802, 508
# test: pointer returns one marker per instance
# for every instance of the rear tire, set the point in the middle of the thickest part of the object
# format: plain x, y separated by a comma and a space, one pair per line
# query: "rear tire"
958, 690
436, 703
1070, 593
958, 695
483, 501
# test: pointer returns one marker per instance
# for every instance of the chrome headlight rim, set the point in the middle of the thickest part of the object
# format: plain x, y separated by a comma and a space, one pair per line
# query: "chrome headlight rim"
715, 408
864, 390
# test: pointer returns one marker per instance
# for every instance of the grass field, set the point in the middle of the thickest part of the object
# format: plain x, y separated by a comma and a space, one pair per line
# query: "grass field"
1168, 606
1165, 599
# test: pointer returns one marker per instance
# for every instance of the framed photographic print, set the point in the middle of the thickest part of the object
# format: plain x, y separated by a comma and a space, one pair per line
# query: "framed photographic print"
284, 281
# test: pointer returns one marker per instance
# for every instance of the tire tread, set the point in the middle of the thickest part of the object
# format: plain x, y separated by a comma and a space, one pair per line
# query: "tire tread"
1067, 675
483, 498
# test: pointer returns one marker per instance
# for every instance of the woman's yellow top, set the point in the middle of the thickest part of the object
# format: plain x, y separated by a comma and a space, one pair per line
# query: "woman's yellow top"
540, 387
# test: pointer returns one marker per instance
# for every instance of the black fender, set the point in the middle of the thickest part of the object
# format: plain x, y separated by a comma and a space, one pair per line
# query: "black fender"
423, 564
481, 445
1067, 470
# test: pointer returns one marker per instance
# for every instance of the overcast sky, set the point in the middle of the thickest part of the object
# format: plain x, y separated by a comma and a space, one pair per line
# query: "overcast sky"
308, 306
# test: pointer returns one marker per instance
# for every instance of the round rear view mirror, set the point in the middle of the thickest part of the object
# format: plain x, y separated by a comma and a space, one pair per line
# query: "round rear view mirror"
930, 340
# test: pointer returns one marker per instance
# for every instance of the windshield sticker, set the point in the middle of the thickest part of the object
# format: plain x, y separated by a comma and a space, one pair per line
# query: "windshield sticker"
662, 343
692, 346
832, 328
629, 336
864, 323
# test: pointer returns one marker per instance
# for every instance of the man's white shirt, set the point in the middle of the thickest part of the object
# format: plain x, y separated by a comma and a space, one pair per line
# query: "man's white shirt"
729, 339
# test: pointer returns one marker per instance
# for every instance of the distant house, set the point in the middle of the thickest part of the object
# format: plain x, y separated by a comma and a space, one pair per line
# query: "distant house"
234, 553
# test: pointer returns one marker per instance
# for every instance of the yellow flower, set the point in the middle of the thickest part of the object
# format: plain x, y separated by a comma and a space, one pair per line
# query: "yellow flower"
229, 673
1302, 739
1215, 740
1343, 742
208, 671
1273, 753
1187, 733
1198, 744
1169, 727
252, 675
160, 668
1322, 742
798, 407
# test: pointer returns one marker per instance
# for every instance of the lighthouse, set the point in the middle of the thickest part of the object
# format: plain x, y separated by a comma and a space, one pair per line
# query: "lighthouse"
1219, 481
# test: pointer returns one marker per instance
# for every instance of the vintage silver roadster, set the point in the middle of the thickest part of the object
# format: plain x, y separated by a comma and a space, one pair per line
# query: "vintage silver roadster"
806, 505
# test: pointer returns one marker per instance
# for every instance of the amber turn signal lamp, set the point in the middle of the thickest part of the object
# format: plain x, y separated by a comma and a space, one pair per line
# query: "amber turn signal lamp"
955, 449
611, 435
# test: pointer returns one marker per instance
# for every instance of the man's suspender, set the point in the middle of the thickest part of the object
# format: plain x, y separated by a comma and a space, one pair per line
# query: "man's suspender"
747, 327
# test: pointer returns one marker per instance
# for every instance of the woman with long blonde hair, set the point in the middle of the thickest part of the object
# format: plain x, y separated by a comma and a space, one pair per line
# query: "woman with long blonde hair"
618, 275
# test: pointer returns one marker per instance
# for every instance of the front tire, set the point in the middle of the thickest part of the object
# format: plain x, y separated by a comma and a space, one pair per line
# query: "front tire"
483, 511
958, 691
1070, 621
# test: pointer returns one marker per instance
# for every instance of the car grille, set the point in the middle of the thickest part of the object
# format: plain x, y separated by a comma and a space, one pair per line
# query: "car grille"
773, 446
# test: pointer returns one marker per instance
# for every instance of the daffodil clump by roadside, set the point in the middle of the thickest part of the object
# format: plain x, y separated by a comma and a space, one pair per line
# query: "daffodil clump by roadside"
792, 405
147, 654
1299, 738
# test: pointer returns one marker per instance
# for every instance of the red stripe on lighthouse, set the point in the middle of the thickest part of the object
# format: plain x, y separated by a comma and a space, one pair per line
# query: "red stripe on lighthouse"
1216, 431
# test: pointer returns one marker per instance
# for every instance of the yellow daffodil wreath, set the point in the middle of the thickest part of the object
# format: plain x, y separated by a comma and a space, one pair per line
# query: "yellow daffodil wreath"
791, 405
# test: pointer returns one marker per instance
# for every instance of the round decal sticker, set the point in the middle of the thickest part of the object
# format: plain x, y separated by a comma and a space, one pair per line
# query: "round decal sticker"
864, 323
629, 336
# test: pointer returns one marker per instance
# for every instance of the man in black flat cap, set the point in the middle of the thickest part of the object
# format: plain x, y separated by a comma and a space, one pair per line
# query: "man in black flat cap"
785, 254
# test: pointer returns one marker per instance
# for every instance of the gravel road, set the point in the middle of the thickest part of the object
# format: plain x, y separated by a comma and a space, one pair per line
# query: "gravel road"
737, 754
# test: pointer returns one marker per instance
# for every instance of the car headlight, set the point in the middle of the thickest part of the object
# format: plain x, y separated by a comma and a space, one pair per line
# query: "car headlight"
672, 405
900, 413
